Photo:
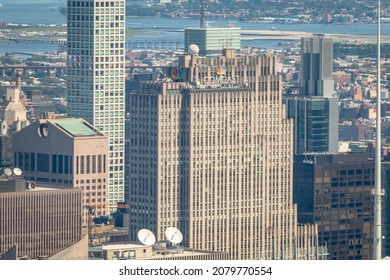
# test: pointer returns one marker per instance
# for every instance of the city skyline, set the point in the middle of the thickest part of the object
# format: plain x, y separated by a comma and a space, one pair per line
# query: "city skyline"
210, 143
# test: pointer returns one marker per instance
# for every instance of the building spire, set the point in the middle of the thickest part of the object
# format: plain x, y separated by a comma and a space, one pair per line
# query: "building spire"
19, 80
378, 192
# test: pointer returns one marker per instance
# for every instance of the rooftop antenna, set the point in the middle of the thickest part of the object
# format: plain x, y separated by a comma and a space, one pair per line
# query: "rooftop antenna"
378, 192
17, 171
7, 172
146, 237
202, 8
174, 235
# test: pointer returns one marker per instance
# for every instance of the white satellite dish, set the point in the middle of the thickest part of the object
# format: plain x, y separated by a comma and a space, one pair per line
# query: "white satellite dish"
17, 171
173, 235
7, 171
146, 237
193, 49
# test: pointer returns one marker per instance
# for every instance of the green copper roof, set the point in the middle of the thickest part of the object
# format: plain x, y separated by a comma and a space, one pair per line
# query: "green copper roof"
77, 127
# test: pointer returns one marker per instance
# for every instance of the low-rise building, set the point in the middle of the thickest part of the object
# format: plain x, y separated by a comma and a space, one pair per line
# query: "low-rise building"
66, 153
36, 222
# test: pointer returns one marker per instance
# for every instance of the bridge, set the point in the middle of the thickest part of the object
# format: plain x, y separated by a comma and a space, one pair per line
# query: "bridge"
178, 44
32, 40
58, 71
152, 44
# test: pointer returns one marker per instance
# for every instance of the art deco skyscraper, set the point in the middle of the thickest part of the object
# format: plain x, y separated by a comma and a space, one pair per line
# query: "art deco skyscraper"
211, 154
96, 76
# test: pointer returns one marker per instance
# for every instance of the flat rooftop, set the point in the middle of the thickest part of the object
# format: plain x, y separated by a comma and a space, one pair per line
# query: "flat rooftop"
76, 127
122, 246
157, 253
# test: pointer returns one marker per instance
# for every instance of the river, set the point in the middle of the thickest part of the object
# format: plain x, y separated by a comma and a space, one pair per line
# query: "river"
48, 12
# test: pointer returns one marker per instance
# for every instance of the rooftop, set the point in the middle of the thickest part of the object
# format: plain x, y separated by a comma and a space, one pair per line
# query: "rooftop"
76, 127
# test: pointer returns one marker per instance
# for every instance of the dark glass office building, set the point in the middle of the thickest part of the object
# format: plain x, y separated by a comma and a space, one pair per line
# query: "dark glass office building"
334, 192
315, 123
386, 208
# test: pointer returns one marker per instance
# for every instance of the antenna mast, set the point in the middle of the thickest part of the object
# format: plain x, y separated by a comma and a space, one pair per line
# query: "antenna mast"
202, 25
378, 192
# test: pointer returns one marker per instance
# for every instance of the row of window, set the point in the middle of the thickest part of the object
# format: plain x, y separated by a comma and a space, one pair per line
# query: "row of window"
90, 164
92, 4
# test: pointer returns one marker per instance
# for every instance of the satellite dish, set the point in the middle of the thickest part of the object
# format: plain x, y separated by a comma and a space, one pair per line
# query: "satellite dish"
193, 49
146, 237
17, 171
173, 235
7, 171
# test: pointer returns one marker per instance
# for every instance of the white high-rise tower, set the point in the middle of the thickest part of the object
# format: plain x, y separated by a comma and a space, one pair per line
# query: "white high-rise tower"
96, 77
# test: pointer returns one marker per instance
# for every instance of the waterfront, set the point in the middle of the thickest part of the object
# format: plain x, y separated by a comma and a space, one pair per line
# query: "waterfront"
38, 12
48, 12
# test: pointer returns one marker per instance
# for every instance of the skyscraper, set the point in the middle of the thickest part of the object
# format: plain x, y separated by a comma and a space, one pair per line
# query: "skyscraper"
212, 40
96, 77
211, 154
315, 110
317, 61
334, 192
315, 123
13, 118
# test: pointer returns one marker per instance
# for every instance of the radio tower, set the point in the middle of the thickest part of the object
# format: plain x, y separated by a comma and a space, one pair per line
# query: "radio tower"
202, 25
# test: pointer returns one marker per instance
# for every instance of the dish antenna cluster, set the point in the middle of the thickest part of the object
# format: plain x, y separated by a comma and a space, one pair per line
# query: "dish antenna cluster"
8, 172
172, 234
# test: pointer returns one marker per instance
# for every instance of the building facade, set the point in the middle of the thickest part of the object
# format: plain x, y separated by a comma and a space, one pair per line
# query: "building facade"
317, 61
315, 110
40, 221
316, 127
334, 192
66, 153
386, 208
212, 155
159, 251
212, 40
96, 77
13, 118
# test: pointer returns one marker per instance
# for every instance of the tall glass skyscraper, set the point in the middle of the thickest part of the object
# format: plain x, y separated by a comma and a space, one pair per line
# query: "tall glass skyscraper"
315, 123
96, 77
315, 110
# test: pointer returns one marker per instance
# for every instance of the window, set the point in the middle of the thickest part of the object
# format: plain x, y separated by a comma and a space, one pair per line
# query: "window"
32, 161
94, 164
60, 164
66, 163
54, 163
42, 162
88, 167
